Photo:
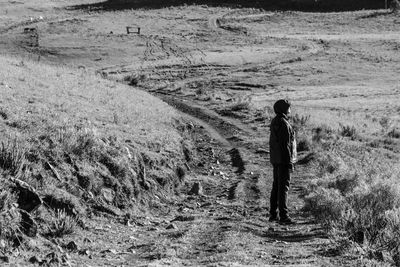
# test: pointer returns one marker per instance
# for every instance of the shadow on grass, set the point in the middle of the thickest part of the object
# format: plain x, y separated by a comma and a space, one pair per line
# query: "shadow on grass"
376, 14
113, 5
301, 5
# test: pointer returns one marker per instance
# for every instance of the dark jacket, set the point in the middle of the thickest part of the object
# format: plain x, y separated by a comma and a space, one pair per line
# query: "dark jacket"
282, 141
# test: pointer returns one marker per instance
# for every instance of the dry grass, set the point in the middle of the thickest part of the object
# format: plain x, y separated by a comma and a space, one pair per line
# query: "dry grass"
55, 97
9, 215
62, 224
12, 156
74, 151
356, 194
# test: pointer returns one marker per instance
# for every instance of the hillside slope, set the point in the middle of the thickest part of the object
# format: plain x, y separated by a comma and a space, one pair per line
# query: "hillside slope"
75, 145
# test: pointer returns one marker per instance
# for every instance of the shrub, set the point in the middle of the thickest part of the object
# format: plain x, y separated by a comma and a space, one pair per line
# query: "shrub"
304, 144
391, 236
79, 141
57, 141
345, 183
369, 204
322, 133
12, 157
328, 163
134, 79
60, 200
201, 91
62, 224
239, 106
348, 131
385, 122
394, 133
327, 205
299, 122
3, 114
9, 215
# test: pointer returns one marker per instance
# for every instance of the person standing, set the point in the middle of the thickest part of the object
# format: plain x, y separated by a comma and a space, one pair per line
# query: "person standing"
282, 145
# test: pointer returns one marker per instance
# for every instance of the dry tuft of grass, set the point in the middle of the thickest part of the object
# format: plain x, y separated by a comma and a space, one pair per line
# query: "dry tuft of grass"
62, 224
348, 131
9, 215
12, 156
394, 133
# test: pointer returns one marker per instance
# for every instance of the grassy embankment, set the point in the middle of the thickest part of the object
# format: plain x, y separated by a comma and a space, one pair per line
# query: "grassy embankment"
83, 145
356, 190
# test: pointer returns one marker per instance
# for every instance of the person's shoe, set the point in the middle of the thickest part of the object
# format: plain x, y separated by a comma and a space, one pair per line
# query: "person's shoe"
286, 220
273, 218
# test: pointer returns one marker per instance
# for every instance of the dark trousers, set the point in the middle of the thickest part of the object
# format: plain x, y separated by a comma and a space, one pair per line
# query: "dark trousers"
279, 192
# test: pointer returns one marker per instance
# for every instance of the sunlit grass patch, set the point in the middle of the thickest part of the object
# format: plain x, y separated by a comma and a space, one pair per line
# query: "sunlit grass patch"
71, 147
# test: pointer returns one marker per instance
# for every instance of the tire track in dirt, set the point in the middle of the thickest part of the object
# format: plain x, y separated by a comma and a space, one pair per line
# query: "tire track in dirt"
246, 190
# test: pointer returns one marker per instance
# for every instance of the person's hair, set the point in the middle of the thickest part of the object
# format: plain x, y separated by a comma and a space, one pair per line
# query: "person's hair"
281, 106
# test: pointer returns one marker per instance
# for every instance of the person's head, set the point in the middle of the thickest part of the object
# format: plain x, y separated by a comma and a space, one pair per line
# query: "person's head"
282, 106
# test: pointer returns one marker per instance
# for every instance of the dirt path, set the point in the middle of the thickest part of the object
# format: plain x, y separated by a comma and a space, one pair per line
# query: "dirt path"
228, 224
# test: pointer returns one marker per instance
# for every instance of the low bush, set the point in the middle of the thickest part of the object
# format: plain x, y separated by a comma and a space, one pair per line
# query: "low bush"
327, 205
9, 215
134, 79
299, 122
359, 200
328, 162
394, 133
61, 224
304, 143
322, 133
240, 106
348, 131
12, 156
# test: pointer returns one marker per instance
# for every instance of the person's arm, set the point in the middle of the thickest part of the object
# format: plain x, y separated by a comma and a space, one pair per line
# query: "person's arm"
284, 142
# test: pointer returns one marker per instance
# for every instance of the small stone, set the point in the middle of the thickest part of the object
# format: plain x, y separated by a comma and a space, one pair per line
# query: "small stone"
262, 151
182, 218
31, 243
131, 250
197, 189
72, 246
34, 259
5, 259
84, 252
108, 194
52, 255
171, 226
87, 240
113, 251
60, 249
